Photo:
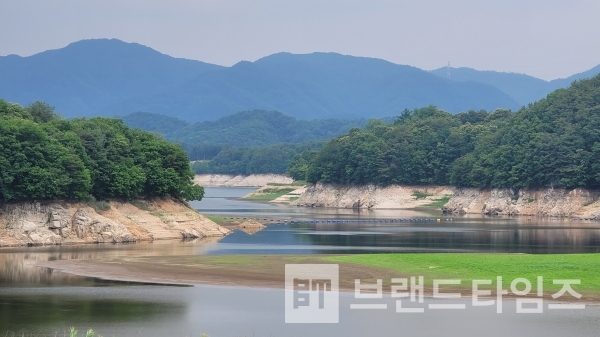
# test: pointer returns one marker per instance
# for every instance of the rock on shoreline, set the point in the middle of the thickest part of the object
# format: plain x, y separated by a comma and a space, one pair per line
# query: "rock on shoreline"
62, 222
551, 202
371, 196
543, 202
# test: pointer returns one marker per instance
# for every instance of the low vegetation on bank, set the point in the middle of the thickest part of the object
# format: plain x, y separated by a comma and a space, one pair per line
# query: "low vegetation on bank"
439, 203
269, 270
469, 267
269, 192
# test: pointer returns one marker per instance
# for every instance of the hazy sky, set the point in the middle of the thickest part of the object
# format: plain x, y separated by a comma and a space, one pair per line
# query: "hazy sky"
544, 38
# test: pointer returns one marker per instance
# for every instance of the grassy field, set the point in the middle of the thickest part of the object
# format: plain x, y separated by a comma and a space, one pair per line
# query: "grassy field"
219, 219
468, 267
270, 193
420, 195
295, 183
269, 270
437, 203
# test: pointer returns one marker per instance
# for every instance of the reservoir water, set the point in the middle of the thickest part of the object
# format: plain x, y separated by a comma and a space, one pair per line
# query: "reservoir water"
41, 302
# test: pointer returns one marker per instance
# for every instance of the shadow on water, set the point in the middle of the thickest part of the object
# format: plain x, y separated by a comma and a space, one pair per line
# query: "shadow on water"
55, 309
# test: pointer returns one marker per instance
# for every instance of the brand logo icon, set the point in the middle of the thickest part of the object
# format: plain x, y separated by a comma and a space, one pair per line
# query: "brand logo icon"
311, 293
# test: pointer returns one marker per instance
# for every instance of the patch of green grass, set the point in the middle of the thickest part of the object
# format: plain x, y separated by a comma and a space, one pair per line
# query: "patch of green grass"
270, 193
439, 202
421, 195
141, 204
98, 205
277, 190
295, 183
74, 333
294, 198
469, 267
277, 184
265, 196
218, 219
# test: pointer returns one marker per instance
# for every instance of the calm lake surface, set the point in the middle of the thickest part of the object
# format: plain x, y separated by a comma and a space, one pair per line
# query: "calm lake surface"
42, 301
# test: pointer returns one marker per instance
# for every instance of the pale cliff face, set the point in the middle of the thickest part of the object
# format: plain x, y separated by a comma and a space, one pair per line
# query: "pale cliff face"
371, 196
55, 223
253, 180
543, 202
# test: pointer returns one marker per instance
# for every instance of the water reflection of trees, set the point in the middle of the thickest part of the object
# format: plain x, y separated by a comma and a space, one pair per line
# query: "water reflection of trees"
495, 236
18, 266
64, 310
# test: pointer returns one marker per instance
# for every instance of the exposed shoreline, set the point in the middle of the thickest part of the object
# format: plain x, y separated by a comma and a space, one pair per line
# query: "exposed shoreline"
559, 203
253, 271
229, 180
75, 223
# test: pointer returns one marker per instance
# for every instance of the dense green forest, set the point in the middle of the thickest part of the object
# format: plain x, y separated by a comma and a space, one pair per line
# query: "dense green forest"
44, 157
266, 159
554, 142
247, 142
243, 129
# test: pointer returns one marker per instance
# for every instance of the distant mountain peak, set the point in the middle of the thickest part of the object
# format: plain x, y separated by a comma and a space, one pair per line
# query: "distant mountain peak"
111, 77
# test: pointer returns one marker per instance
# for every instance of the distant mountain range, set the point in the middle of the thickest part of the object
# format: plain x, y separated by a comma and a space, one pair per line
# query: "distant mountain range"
110, 77
523, 88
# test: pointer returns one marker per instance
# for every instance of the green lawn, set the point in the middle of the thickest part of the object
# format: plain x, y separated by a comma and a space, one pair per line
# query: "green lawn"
420, 195
468, 267
219, 219
270, 193
439, 202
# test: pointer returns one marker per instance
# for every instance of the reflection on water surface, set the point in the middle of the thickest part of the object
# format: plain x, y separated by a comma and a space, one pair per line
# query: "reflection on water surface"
42, 300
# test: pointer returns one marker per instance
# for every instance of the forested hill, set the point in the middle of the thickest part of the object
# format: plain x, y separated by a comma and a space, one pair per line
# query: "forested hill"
45, 157
243, 129
247, 142
554, 142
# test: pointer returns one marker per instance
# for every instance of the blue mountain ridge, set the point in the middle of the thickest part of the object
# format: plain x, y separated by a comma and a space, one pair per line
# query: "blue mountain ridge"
109, 77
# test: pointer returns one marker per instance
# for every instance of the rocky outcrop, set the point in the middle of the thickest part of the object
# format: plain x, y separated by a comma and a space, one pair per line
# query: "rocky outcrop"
253, 180
543, 202
371, 196
250, 226
551, 202
55, 223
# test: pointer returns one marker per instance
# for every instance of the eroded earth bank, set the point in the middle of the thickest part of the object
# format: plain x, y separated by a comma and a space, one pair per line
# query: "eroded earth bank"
540, 202
54, 223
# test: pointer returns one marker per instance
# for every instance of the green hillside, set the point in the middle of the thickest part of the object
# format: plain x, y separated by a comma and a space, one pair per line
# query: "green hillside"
243, 129
553, 142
